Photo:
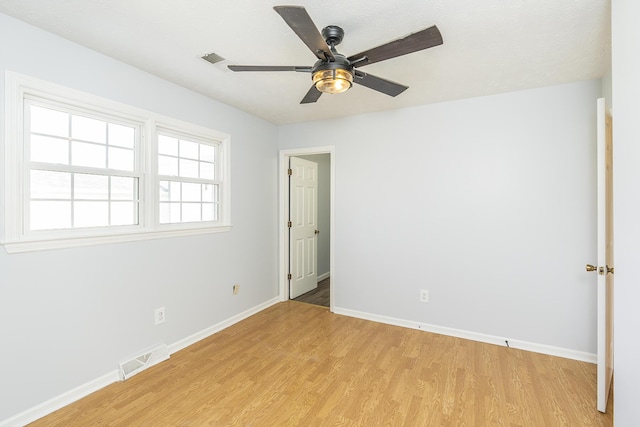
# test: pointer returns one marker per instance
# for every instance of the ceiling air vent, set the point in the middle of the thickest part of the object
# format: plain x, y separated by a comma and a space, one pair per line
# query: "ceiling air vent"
213, 58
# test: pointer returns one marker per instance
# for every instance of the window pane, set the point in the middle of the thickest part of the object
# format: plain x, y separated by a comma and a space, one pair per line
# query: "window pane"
188, 168
174, 192
167, 145
209, 212
90, 155
50, 122
90, 214
49, 150
121, 159
164, 191
191, 212
207, 153
165, 213
207, 171
169, 213
188, 149
169, 191
88, 129
123, 188
95, 187
50, 215
50, 185
123, 213
191, 192
209, 193
122, 136
167, 166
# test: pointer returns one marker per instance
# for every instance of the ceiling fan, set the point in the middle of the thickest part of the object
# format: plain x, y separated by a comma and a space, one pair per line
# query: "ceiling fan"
335, 73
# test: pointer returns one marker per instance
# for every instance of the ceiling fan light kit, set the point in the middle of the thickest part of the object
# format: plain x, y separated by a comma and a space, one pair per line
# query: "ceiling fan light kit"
335, 73
333, 81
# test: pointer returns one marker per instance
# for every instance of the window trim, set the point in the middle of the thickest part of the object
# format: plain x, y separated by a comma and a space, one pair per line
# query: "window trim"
15, 240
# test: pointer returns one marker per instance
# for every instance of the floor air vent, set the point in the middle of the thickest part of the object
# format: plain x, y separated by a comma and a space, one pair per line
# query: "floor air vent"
143, 361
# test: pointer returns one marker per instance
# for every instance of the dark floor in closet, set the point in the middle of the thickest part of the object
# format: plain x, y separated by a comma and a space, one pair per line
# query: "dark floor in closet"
318, 296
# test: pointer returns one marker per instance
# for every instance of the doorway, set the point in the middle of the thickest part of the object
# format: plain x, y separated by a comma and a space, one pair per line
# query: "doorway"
325, 157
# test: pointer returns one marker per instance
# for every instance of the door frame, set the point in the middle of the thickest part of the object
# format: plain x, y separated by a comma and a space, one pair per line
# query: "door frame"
283, 203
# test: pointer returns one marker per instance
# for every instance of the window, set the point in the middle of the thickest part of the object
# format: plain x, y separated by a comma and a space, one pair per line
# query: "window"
84, 170
188, 183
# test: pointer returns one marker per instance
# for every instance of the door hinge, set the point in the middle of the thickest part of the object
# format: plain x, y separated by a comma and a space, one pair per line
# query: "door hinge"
289, 224
289, 172
289, 276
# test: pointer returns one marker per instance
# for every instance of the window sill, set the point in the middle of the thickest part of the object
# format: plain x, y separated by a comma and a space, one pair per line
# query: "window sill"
74, 242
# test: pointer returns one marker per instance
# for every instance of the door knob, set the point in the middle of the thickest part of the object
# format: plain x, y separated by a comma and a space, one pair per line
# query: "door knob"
600, 270
317, 232
609, 270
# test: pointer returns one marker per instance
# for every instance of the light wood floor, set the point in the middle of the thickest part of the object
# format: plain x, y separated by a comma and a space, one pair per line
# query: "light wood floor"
298, 364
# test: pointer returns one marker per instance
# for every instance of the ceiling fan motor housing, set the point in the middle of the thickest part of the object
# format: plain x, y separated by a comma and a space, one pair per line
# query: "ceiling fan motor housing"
340, 63
333, 35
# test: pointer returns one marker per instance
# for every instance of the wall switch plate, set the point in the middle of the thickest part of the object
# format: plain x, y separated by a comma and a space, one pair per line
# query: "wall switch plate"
424, 295
159, 315
236, 289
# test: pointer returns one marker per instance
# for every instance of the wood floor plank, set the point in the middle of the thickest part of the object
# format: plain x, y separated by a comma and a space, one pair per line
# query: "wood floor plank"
297, 364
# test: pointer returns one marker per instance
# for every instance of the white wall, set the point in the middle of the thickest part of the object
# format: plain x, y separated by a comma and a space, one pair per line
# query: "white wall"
324, 210
626, 152
68, 317
488, 203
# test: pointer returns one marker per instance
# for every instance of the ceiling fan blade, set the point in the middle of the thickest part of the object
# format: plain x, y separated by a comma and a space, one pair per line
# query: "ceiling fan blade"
377, 83
300, 22
312, 96
269, 68
429, 37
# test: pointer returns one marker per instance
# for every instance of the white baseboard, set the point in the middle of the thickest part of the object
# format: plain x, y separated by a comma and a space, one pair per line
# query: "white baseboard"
474, 336
186, 342
323, 276
78, 393
52, 405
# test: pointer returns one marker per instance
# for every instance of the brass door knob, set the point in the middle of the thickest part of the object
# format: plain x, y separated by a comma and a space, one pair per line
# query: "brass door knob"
600, 270
609, 270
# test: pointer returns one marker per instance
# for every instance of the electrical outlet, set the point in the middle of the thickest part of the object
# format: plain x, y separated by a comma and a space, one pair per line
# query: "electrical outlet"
424, 295
159, 315
236, 289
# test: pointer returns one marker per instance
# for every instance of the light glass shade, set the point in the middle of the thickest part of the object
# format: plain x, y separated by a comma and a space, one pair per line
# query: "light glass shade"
332, 81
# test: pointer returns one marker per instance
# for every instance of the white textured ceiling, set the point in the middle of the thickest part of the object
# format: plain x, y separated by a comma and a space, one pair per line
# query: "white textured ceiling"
490, 46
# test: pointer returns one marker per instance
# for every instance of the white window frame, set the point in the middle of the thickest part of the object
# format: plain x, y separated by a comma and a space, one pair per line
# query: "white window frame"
16, 239
28, 166
175, 132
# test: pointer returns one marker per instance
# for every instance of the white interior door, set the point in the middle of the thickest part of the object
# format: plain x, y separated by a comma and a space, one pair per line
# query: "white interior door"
303, 217
605, 255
